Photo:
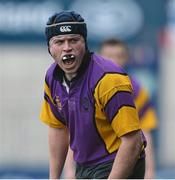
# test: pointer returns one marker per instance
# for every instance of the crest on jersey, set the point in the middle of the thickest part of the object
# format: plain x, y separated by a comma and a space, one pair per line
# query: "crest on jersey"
58, 102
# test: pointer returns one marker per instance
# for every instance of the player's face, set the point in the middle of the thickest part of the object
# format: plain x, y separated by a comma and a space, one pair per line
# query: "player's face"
116, 54
68, 51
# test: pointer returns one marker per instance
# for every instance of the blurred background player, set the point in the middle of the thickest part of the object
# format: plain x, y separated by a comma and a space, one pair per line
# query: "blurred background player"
116, 51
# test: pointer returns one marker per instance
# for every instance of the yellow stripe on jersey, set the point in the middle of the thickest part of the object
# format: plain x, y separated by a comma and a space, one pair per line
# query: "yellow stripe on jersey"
149, 120
112, 142
126, 120
48, 117
141, 99
47, 91
110, 84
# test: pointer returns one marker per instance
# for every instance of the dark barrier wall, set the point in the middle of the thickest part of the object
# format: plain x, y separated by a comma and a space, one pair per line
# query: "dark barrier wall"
130, 19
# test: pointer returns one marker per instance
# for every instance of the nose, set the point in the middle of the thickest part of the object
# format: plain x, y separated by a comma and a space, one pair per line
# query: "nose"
67, 46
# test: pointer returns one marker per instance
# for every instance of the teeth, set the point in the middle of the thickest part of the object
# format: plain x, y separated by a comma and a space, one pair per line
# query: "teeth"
66, 57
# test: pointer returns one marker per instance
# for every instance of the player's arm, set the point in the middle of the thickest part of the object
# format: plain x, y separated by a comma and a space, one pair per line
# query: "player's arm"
69, 166
116, 99
58, 147
127, 155
58, 135
150, 165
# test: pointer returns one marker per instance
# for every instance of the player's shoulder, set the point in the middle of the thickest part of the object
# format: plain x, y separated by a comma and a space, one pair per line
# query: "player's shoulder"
49, 73
107, 66
112, 76
110, 71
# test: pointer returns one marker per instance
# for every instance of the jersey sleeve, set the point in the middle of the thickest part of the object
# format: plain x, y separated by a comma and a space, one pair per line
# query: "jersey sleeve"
147, 114
116, 100
49, 114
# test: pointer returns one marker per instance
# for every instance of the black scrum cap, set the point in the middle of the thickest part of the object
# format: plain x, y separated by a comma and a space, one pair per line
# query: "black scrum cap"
65, 22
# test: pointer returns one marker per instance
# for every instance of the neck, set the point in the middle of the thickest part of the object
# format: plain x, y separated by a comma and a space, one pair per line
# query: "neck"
70, 76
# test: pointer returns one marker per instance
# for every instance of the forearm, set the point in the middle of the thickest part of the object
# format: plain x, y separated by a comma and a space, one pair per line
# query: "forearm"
58, 146
126, 158
150, 164
69, 166
56, 166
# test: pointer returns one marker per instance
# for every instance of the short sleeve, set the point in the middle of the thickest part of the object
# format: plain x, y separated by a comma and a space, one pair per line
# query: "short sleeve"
49, 114
116, 100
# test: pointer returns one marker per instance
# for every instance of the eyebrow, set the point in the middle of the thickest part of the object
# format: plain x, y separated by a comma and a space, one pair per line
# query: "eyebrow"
60, 38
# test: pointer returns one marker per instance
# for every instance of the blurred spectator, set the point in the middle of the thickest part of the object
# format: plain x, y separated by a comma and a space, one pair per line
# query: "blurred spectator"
116, 51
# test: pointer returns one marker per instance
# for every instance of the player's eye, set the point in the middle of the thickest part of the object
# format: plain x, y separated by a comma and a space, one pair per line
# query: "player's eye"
59, 42
56, 42
74, 40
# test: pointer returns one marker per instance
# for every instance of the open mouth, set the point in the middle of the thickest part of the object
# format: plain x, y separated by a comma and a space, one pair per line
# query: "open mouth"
68, 59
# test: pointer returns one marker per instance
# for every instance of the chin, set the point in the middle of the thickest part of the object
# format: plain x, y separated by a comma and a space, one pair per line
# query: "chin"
73, 71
